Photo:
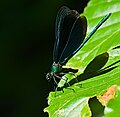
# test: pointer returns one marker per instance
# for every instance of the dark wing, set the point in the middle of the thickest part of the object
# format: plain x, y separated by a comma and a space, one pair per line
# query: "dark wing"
70, 32
75, 39
62, 13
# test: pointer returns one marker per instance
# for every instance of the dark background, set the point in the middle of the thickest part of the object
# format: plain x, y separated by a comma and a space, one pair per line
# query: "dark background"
26, 44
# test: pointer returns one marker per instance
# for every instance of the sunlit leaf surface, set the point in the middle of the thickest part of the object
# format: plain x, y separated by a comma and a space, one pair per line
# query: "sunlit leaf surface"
75, 102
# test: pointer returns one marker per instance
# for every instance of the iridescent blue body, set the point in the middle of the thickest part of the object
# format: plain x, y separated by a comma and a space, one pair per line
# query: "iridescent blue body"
56, 68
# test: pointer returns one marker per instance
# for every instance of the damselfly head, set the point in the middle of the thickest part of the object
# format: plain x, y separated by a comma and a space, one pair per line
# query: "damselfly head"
49, 76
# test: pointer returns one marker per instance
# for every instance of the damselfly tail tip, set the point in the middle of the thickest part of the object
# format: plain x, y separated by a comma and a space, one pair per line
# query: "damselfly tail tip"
109, 14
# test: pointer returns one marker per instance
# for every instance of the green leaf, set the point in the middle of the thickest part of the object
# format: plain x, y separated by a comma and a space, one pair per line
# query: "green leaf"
74, 100
70, 107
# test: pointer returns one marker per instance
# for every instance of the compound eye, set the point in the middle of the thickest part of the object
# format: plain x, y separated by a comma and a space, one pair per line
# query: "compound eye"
48, 76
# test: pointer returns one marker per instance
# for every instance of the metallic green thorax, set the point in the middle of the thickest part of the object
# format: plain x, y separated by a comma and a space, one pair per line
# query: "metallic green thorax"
56, 68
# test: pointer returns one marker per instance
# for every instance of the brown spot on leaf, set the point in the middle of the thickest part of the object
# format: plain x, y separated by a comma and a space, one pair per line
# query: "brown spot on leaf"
108, 95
